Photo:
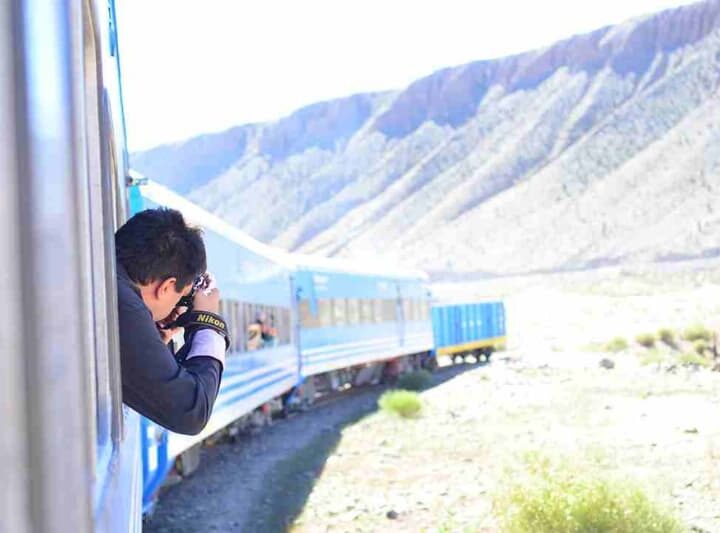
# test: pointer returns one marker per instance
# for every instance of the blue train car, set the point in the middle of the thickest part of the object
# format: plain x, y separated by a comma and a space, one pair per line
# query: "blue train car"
254, 280
468, 329
352, 314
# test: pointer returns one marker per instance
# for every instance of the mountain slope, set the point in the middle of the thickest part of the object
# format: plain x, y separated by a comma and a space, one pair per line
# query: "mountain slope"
600, 149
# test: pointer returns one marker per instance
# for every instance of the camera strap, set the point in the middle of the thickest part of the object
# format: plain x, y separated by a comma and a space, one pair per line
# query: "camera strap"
194, 321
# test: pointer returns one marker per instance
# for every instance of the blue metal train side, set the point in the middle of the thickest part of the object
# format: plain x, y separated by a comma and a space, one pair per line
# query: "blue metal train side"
464, 328
326, 345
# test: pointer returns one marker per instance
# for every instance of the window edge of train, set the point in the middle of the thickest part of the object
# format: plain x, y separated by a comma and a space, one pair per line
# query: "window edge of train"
118, 498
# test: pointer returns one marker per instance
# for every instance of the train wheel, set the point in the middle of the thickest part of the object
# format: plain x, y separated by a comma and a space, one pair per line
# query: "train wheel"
430, 363
488, 354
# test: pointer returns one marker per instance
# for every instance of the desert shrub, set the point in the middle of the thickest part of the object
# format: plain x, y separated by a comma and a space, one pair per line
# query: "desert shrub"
618, 344
565, 499
693, 359
701, 346
418, 380
697, 332
667, 336
406, 404
646, 339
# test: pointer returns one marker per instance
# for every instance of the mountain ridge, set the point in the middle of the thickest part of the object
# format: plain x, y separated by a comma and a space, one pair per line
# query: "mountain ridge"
420, 175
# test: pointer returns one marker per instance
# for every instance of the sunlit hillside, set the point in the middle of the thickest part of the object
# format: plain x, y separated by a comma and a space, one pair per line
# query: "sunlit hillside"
601, 149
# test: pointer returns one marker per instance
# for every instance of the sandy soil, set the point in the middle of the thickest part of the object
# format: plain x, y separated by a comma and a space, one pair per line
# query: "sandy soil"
441, 472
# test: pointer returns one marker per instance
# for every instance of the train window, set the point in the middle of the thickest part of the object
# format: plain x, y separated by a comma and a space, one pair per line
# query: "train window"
366, 311
419, 310
389, 310
339, 312
377, 310
407, 310
231, 311
232, 316
426, 309
256, 326
307, 319
325, 313
353, 311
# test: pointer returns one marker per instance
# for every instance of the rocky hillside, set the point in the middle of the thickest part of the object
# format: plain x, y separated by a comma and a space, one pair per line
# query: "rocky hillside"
601, 149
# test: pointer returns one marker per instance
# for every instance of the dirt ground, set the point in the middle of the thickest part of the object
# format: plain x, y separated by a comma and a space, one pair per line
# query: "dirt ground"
441, 471
346, 467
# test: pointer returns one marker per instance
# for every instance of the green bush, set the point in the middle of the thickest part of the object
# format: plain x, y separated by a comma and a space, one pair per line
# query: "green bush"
693, 359
571, 500
418, 380
618, 344
403, 403
646, 339
667, 336
697, 332
700, 346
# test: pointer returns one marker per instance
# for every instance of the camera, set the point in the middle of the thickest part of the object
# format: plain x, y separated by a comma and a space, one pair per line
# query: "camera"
200, 283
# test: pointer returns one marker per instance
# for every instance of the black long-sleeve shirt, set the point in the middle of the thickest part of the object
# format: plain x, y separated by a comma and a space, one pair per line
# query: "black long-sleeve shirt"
178, 396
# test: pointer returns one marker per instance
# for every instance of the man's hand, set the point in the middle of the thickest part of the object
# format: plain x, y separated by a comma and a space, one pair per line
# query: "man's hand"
207, 300
167, 334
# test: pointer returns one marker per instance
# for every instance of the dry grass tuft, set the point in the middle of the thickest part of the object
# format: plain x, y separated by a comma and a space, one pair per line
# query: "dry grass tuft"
646, 339
559, 498
403, 403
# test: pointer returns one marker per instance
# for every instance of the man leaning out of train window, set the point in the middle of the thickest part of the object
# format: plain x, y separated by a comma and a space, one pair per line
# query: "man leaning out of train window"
162, 287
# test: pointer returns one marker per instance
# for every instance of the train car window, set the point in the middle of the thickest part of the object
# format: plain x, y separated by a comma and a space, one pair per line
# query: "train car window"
353, 311
339, 312
307, 319
284, 325
377, 310
407, 310
366, 311
238, 338
389, 310
419, 310
325, 313
230, 311
259, 326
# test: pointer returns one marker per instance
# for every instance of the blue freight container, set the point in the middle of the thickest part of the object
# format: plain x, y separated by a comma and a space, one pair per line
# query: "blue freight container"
465, 328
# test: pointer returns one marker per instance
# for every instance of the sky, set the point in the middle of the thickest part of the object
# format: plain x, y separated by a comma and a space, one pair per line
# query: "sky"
193, 67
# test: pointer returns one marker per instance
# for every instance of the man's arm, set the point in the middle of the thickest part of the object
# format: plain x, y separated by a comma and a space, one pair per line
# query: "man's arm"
178, 397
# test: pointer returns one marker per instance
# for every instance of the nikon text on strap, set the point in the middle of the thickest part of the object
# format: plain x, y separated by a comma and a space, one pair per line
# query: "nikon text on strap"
194, 321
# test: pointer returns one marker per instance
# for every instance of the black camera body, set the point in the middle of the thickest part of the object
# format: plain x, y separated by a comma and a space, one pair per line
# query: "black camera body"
200, 283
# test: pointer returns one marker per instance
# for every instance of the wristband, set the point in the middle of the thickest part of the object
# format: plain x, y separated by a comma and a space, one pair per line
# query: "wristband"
194, 321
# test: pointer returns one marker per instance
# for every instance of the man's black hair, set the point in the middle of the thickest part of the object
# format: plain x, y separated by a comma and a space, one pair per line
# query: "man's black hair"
157, 244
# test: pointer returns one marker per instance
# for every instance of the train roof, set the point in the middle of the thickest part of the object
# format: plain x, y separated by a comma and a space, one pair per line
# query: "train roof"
293, 261
355, 266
